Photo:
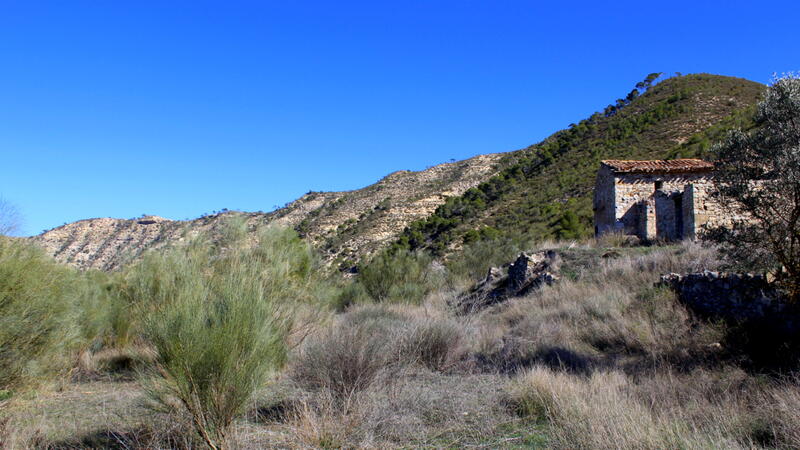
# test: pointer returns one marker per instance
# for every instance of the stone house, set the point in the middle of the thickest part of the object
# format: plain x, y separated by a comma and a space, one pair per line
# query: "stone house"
664, 199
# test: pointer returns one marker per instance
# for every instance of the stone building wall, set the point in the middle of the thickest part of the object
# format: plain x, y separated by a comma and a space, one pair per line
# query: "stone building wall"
667, 200
648, 225
669, 215
620, 200
632, 188
604, 199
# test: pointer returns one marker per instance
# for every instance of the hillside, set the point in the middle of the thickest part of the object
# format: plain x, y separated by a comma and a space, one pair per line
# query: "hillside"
346, 225
538, 192
546, 189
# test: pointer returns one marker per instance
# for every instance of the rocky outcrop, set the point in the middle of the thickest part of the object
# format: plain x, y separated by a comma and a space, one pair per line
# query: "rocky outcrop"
527, 273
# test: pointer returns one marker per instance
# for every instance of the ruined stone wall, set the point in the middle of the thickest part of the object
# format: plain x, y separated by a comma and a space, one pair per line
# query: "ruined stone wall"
657, 206
730, 296
647, 228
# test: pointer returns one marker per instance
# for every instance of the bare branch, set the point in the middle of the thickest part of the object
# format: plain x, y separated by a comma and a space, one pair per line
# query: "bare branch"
10, 218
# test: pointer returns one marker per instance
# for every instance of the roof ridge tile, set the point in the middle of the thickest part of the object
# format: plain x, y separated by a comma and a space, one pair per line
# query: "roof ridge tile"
691, 165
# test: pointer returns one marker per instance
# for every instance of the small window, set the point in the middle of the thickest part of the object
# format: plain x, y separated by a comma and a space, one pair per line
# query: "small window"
659, 185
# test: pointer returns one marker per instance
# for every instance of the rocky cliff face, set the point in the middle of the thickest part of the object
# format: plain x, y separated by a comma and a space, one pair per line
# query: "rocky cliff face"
345, 225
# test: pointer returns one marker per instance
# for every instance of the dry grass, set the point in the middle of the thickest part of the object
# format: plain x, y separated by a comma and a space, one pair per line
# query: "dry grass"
78, 412
602, 411
602, 359
369, 340
611, 314
606, 360
113, 363
416, 407
389, 375
702, 409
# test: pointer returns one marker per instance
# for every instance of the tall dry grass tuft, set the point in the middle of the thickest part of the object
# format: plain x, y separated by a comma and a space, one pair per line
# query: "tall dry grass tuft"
602, 411
615, 239
325, 422
776, 421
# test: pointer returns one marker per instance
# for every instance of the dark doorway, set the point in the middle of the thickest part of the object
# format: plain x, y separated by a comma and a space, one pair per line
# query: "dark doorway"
678, 199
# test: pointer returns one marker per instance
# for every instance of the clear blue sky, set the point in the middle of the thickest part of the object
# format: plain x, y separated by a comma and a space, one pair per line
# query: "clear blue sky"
120, 108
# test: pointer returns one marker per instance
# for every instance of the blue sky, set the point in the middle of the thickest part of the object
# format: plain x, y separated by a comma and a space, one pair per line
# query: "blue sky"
117, 109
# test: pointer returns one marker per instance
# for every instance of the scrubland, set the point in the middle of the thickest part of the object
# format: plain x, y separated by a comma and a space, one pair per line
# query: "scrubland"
230, 346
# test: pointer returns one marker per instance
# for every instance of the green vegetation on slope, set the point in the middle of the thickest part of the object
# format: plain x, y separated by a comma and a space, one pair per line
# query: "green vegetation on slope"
46, 310
545, 191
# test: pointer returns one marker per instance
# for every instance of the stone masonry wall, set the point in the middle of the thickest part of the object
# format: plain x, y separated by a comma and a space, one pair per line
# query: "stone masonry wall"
631, 189
604, 217
705, 209
650, 206
647, 228
667, 224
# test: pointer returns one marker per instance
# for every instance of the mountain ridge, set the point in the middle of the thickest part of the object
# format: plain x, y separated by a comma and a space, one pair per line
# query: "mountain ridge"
332, 221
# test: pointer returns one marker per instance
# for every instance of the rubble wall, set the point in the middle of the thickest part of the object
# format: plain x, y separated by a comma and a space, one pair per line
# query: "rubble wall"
730, 296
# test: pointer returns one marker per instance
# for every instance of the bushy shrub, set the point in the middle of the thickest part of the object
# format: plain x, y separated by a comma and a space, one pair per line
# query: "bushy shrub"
39, 326
399, 277
219, 322
344, 359
757, 180
352, 293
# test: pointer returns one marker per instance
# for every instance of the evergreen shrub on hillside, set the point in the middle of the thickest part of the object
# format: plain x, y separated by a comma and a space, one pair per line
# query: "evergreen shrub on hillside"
398, 277
758, 181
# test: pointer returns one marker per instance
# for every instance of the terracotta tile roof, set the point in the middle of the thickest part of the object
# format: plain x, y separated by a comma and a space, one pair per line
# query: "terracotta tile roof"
659, 166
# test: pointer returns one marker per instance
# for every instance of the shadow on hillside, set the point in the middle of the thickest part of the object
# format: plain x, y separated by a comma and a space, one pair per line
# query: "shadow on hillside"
512, 359
139, 438
278, 412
